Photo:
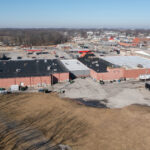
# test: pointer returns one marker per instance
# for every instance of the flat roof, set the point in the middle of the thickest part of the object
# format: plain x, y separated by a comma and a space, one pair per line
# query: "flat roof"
74, 64
97, 64
128, 61
30, 68
142, 53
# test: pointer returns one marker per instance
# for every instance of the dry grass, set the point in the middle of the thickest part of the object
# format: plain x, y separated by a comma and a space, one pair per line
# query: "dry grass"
38, 121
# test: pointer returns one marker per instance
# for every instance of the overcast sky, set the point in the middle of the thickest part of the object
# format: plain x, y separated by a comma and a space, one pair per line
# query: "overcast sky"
75, 13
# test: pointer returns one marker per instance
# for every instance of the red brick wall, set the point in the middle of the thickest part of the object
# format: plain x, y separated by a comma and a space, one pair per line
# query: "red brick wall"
112, 74
115, 73
28, 81
33, 81
61, 77
93, 74
135, 73
5, 83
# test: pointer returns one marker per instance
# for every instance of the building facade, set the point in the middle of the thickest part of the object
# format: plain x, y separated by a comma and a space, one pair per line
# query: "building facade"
32, 73
116, 67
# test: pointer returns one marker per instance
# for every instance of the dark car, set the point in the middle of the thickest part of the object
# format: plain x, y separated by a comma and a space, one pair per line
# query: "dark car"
44, 91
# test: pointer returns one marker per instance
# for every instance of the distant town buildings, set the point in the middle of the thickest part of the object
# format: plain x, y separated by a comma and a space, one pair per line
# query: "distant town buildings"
102, 55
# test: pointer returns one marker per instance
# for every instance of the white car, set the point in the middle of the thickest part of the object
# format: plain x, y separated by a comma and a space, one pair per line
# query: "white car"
3, 91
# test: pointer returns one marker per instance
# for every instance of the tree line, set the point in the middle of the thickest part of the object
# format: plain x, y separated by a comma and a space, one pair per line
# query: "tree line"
29, 37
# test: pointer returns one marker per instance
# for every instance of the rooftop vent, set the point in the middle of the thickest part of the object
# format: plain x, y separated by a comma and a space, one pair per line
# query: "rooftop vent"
140, 66
48, 68
25, 64
18, 70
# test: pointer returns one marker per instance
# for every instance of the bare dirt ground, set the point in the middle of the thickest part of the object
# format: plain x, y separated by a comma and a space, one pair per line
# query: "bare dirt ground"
39, 121
115, 95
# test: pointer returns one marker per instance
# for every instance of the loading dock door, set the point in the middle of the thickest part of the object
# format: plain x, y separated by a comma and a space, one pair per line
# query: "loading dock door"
54, 79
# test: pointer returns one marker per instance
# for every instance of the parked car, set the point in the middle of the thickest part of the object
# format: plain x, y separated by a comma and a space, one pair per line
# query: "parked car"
44, 91
101, 82
71, 81
23, 88
147, 85
3, 91
19, 57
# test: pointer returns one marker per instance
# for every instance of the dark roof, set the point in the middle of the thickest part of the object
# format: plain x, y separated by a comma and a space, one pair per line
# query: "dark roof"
28, 68
97, 64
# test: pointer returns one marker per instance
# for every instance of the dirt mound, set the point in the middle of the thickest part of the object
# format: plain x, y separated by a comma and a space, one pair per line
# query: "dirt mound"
38, 121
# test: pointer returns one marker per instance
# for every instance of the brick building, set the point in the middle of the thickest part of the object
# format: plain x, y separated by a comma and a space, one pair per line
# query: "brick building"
101, 69
32, 73
134, 66
116, 67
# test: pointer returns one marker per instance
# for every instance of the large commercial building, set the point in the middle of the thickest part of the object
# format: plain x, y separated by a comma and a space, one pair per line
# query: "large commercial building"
134, 66
32, 73
116, 67
76, 68
102, 69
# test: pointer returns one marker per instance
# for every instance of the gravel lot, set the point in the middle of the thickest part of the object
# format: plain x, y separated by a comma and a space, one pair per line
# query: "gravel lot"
115, 95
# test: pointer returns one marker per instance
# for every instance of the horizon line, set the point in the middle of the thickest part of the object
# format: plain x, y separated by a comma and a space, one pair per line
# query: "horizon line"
86, 28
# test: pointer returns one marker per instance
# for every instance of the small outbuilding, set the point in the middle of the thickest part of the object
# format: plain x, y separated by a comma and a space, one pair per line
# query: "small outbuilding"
76, 68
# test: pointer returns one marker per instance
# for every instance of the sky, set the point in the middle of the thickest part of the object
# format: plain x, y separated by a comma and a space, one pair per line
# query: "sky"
74, 13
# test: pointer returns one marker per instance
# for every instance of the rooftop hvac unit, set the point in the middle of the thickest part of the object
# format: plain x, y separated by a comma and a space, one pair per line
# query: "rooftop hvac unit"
48, 68
94, 62
140, 66
18, 70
